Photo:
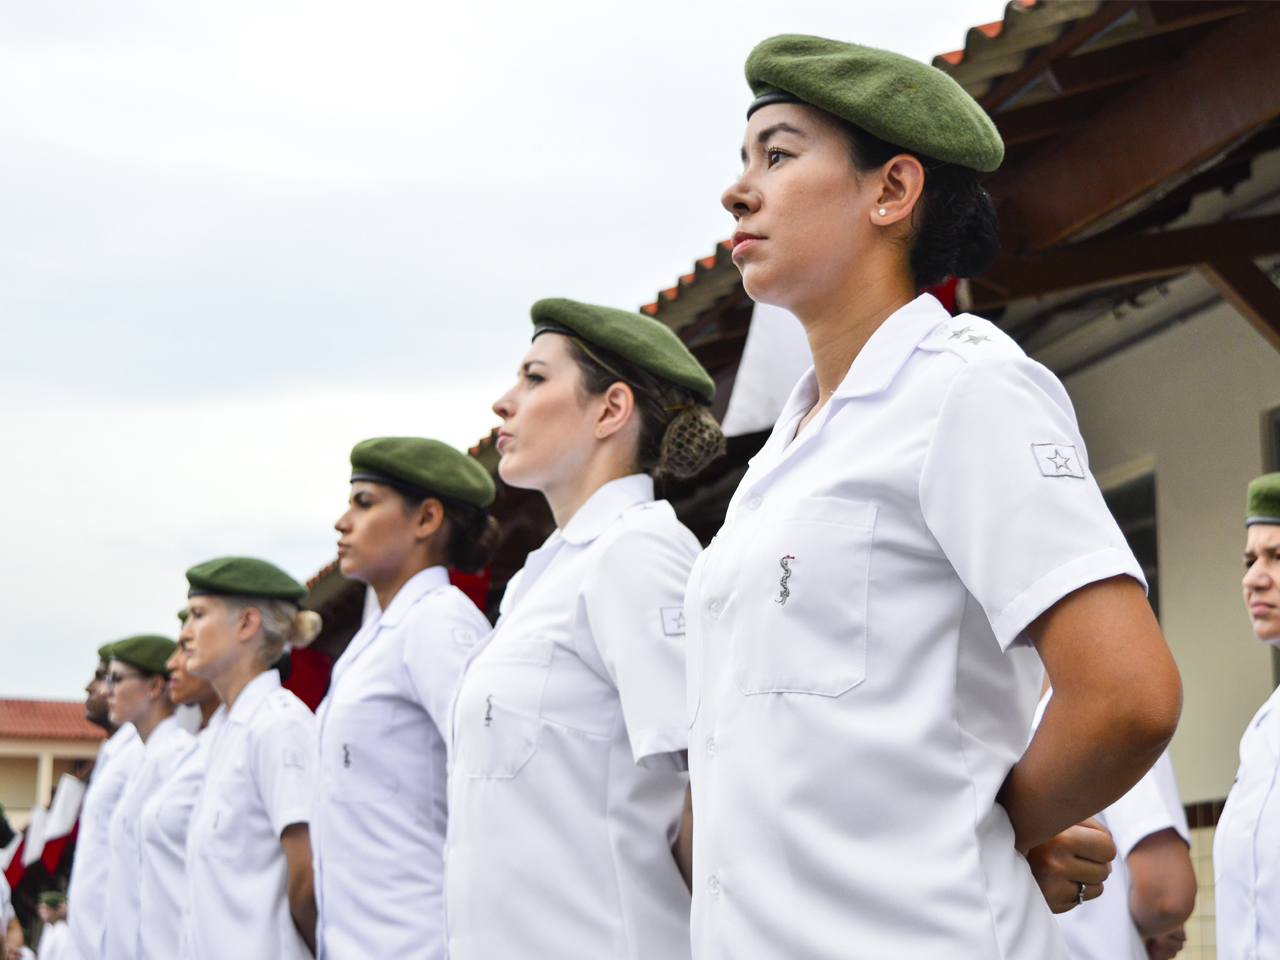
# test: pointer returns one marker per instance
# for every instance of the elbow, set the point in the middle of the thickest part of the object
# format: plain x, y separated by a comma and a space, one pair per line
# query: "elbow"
1167, 910
1151, 712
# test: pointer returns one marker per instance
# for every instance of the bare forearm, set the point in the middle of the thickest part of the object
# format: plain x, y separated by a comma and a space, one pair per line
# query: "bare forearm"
302, 905
683, 848
1116, 700
1163, 893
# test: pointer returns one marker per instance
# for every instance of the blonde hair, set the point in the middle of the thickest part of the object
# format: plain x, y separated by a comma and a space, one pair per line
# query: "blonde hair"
283, 624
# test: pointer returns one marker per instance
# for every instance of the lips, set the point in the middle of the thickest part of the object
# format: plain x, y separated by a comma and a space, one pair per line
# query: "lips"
503, 439
742, 241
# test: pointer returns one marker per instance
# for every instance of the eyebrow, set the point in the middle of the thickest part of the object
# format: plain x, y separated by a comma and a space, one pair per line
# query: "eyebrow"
529, 363
765, 135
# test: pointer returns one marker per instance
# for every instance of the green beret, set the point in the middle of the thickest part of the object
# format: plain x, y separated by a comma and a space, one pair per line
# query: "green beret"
423, 467
53, 898
147, 652
104, 651
243, 577
650, 345
1263, 500
183, 614
908, 103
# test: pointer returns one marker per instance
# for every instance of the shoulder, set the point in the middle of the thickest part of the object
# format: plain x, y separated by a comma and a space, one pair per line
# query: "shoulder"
972, 339
651, 528
282, 710
445, 613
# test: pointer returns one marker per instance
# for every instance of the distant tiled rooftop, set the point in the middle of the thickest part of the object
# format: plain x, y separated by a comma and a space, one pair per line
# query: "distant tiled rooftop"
47, 720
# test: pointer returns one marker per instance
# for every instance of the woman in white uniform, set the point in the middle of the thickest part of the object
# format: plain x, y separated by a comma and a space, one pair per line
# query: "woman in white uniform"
567, 780
167, 814
248, 861
114, 765
138, 693
378, 823
1246, 843
863, 631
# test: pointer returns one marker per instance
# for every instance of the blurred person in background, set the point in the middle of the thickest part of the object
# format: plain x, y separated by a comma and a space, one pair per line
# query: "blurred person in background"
248, 860
1246, 843
416, 510
10, 928
117, 759
1152, 889
167, 814
53, 914
138, 693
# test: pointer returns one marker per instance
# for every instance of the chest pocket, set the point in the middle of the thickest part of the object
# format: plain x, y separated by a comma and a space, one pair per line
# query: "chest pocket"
356, 753
499, 708
801, 626
221, 832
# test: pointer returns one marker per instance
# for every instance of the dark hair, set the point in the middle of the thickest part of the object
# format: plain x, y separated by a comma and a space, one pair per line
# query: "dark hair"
473, 531
957, 233
678, 435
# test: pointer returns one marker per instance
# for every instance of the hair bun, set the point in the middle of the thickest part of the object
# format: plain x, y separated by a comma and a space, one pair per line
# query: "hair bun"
691, 441
307, 625
981, 240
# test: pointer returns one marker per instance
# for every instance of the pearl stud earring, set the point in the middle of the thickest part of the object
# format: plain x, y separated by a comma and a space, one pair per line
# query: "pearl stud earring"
883, 211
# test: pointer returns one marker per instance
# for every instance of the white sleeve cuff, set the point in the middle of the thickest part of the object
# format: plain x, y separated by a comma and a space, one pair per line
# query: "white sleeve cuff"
1009, 623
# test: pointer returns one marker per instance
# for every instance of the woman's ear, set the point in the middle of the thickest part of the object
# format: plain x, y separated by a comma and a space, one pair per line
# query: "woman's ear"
616, 405
247, 623
429, 518
901, 183
157, 685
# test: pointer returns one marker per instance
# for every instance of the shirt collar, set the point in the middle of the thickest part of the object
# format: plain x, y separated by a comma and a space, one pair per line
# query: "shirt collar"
421, 583
605, 506
253, 695
879, 361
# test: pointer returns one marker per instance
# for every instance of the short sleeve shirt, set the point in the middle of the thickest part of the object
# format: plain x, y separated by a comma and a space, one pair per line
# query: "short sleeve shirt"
1246, 846
378, 823
860, 682
258, 781
164, 824
567, 780
162, 751
87, 890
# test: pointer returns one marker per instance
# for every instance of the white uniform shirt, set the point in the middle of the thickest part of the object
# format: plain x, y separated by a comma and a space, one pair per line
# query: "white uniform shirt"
117, 759
857, 691
378, 823
567, 784
1246, 846
53, 941
1103, 928
164, 823
162, 751
259, 781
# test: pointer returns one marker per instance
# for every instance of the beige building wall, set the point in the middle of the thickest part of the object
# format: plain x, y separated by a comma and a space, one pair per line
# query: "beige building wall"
1189, 402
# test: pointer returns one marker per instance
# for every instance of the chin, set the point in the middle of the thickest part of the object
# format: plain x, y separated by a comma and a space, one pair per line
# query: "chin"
511, 474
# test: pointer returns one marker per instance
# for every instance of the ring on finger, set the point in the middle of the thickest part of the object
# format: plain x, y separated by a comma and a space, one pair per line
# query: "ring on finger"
1080, 895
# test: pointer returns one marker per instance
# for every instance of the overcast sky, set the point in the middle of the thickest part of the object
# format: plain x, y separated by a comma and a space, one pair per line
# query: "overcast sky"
237, 238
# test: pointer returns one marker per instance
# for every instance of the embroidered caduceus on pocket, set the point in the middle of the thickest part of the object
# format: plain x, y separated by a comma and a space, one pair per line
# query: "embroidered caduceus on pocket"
786, 575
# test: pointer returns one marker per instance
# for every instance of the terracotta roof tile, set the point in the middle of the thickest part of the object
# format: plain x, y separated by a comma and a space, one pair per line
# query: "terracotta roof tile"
47, 720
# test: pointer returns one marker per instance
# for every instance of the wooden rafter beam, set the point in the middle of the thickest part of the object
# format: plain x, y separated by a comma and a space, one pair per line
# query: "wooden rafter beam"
1150, 139
1077, 36
1104, 262
1247, 288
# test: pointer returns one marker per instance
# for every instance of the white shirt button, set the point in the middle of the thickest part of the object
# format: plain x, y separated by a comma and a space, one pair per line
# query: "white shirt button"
714, 609
713, 885
711, 746
754, 502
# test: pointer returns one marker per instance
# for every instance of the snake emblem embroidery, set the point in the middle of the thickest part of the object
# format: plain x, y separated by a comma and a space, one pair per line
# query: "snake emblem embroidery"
488, 714
786, 575
346, 754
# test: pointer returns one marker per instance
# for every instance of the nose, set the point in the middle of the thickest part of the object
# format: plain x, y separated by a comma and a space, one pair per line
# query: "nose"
1257, 577
343, 523
740, 199
504, 406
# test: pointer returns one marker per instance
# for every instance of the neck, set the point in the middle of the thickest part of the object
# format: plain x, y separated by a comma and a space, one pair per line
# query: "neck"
208, 706
236, 678
387, 589
566, 496
839, 325
159, 711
